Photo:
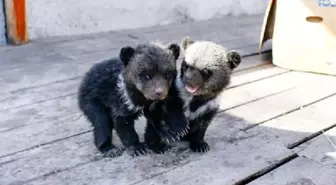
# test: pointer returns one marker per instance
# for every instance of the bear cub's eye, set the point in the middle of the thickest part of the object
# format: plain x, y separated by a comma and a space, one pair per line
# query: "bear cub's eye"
146, 76
206, 73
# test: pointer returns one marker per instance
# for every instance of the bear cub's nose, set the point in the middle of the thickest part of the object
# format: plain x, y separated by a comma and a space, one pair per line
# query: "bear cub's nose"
158, 92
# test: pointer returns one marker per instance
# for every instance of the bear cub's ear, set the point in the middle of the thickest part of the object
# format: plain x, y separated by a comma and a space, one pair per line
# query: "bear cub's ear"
234, 59
175, 49
126, 54
186, 42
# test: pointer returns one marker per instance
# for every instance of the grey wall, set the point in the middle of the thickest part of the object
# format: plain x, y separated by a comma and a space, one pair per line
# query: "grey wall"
68, 17
48, 18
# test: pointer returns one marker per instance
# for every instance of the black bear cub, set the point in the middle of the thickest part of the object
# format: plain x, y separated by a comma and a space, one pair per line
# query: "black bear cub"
204, 73
114, 93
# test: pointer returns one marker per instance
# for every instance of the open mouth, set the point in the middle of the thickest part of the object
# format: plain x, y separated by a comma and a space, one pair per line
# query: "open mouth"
156, 98
191, 89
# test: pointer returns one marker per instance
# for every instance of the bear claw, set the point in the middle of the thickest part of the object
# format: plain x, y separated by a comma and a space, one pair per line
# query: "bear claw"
113, 151
200, 147
137, 150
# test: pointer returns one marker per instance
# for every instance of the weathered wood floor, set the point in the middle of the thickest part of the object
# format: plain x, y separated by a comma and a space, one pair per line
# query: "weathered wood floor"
44, 139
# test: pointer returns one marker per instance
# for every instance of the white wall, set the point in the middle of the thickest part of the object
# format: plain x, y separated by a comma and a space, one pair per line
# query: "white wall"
66, 17
2, 25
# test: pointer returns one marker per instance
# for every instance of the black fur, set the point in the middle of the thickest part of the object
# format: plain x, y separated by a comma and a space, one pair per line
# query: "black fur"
234, 59
146, 72
159, 133
199, 125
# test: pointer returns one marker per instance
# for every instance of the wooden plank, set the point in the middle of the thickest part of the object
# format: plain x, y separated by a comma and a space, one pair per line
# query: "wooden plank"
310, 137
263, 88
16, 21
267, 169
41, 133
62, 47
194, 173
28, 77
40, 123
303, 122
47, 159
40, 113
256, 74
77, 153
28, 96
184, 172
255, 61
318, 88
300, 171
321, 149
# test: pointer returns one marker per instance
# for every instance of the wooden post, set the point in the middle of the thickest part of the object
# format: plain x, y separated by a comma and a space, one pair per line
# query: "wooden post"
16, 21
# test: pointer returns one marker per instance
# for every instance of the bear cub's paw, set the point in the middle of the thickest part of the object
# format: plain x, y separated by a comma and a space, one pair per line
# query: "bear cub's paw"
137, 150
178, 130
169, 135
158, 148
172, 132
112, 151
200, 147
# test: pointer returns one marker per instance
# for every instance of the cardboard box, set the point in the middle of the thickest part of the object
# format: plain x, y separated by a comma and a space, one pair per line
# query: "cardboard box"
303, 34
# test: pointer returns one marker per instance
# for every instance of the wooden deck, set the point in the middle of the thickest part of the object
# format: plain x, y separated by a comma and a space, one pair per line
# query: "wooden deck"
263, 136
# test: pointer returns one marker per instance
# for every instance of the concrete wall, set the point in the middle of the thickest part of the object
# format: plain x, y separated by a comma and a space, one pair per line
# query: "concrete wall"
2, 25
67, 17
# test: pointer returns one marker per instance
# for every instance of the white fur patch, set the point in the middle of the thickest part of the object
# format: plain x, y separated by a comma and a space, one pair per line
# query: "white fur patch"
125, 96
205, 55
210, 105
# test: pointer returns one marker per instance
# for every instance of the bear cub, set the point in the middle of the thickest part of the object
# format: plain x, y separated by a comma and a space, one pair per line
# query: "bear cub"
204, 73
114, 92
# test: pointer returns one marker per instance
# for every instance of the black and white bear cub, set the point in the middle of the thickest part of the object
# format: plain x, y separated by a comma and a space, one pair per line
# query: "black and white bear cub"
113, 93
205, 72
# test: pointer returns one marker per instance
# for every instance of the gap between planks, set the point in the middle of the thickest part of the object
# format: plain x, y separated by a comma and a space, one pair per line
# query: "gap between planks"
301, 171
266, 170
321, 149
